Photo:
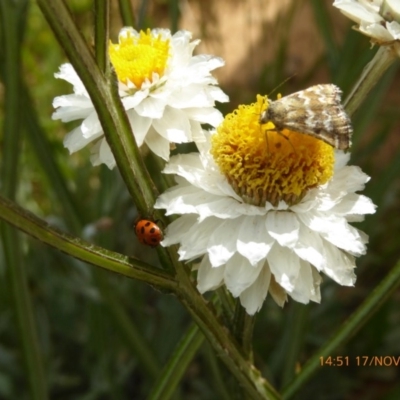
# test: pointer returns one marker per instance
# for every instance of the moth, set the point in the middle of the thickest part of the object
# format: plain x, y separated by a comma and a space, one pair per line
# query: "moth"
316, 111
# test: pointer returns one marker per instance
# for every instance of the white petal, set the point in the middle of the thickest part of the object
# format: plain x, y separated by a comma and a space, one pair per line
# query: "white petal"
151, 107
68, 73
101, 154
91, 126
123, 33
209, 278
393, 29
356, 11
72, 107
195, 95
75, 141
140, 126
173, 126
377, 31
222, 242
195, 240
106, 156
340, 266
341, 160
225, 207
277, 292
354, 204
205, 115
239, 274
177, 229
181, 199
217, 94
284, 265
284, 227
254, 242
345, 180
132, 101
197, 131
336, 230
306, 288
310, 247
157, 144
253, 297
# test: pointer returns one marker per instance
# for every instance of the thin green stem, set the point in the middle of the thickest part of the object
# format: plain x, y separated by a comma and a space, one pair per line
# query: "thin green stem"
293, 340
216, 375
88, 252
12, 17
101, 29
126, 11
355, 322
227, 306
177, 365
243, 330
204, 314
44, 154
174, 14
133, 337
382, 60
23, 309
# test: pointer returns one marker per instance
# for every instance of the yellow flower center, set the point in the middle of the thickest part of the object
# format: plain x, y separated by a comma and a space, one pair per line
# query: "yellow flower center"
265, 165
136, 59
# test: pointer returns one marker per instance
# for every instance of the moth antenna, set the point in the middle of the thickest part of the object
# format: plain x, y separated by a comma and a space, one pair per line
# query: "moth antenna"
281, 84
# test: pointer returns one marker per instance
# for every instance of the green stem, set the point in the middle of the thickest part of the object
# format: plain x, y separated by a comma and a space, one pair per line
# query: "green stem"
12, 16
88, 252
44, 154
177, 365
227, 306
101, 19
133, 337
382, 60
216, 375
356, 321
243, 330
293, 340
126, 12
204, 314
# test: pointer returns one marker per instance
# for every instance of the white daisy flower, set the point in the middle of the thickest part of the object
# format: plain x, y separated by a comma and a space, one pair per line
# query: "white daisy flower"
166, 91
267, 212
378, 19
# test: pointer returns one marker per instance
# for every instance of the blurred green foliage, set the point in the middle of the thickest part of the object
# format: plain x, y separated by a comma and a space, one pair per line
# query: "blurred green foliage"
106, 337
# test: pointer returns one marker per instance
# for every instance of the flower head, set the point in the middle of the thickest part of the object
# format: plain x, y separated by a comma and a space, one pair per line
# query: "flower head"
166, 91
378, 19
267, 210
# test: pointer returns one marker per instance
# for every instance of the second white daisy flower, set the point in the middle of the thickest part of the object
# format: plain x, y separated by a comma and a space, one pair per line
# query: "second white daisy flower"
167, 93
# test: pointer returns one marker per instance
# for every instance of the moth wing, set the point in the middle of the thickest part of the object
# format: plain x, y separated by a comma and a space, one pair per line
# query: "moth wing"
317, 111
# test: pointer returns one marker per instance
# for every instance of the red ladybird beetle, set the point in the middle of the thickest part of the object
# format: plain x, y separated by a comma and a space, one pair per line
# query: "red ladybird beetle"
148, 232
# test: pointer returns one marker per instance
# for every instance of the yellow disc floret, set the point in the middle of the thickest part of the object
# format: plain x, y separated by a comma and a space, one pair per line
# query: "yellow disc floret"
264, 165
137, 58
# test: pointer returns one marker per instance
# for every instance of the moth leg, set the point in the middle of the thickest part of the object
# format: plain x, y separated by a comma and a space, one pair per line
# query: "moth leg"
280, 133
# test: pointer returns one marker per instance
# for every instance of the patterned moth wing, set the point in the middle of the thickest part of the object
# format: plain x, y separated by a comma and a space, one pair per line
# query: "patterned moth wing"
316, 111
